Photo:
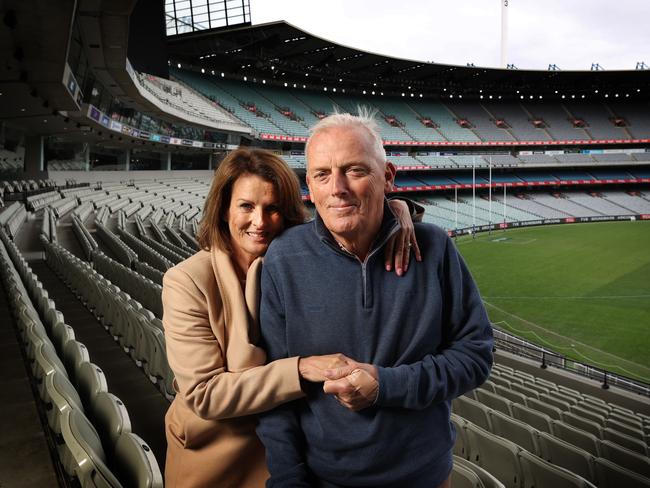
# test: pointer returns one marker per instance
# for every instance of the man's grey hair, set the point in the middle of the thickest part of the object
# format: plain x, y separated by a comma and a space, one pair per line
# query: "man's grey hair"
364, 119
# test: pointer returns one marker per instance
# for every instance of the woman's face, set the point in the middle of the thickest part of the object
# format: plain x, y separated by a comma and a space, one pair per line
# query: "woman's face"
253, 217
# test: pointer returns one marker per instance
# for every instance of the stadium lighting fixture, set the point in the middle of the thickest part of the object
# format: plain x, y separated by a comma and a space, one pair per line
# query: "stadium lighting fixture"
499, 97
263, 82
340, 80
596, 91
481, 97
179, 65
627, 94
203, 70
420, 95
480, 91
573, 96
245, 78
272, 67
541, 96
372, 92
382, 94
521, 96
563, 96
294, 85
583, 96
286, 84
333, 89
306, 74
212, 72
616, 95
518, 92
460, 96
531, 97
556, 92
364, 92
222, 74
606, 95
451, 95
403, 94
325, 89
490, 97
343, 90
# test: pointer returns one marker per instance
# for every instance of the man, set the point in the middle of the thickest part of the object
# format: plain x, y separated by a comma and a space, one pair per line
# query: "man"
418, 341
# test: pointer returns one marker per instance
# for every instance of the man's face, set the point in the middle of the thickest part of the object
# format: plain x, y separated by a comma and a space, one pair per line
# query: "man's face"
347, 180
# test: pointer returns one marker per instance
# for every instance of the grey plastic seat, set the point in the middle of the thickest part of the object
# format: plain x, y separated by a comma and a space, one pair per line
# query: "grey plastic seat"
542, 406
538, 473
576, 436
472, 410
62, 333
552, 399
625, 457
46, 362
568, 456
535, 419
510, 394
583, 423
61, 396
135, 463
494, 401
461, 446
497, 455
74, 354
596, 408
610, 475
526, 390
91, 380
82, 454
587, 414
462, 477
514, 430
626, 441
545, 383
488, 480
110, 419
499, 380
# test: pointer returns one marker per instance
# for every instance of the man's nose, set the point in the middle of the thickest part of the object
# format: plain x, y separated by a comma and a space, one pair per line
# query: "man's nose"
339, 183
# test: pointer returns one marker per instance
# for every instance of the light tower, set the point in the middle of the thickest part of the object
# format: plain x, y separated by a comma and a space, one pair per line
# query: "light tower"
504, 32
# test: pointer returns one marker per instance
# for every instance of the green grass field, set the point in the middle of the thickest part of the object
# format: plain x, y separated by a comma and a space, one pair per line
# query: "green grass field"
582, 290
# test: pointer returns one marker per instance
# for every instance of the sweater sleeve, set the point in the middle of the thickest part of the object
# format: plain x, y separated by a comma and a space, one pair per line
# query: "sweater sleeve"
197, 359
279, 429
465, 356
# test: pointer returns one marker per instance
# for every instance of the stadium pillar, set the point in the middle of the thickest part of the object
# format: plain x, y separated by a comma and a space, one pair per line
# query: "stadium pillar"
168, 161
34, 164
127, 159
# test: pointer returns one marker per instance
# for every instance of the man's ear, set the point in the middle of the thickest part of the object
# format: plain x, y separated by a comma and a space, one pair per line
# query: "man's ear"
311, 198
389, 174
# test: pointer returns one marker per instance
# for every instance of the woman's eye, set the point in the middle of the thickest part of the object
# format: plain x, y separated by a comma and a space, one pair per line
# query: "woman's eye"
272, 209
246, 206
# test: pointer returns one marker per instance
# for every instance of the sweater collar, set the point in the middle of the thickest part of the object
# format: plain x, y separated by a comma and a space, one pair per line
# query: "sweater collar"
389, 225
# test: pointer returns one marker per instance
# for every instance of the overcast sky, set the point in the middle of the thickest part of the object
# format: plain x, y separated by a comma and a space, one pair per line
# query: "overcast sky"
572, 34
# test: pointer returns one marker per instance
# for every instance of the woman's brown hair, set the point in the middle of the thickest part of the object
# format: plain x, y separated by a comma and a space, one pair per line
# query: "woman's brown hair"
213, 228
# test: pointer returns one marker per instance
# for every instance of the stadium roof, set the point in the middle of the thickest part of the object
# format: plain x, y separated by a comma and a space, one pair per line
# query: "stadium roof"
281, 52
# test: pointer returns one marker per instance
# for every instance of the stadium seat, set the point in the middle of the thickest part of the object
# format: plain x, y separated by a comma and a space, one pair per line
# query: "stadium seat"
611, 475
510, 394
110, 418
626, 428
74, 355
541, 406
535, 419
625, 457
61, 397
135, 463
488, 480
471, 410
90, 382
514, 430
561, 453
538, 473
623, 440
583, 423
61, 334
525, 390
494, 401
462, 477
553, 399
497, 455
587, 414
461, 446
576, 436
82, 454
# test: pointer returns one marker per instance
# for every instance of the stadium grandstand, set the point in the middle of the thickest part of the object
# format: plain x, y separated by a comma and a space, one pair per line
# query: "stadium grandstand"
113, 116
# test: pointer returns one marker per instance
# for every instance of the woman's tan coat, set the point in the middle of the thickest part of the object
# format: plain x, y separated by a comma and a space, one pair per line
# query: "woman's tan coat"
211, 326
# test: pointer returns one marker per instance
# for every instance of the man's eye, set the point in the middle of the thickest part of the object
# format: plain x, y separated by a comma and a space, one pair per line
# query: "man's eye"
357, 170
319, 175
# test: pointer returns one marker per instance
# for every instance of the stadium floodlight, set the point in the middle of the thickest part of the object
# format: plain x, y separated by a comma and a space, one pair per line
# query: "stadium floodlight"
641, 65
596, 67
481, 97
553, 67
245, 78
203, 70
372, 92
179, 65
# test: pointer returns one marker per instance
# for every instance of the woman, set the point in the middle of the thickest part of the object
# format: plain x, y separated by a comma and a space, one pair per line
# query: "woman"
211, 327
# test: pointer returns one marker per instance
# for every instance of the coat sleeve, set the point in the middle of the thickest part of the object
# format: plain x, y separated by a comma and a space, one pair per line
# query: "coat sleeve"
465, 357
197, 359
279, 430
